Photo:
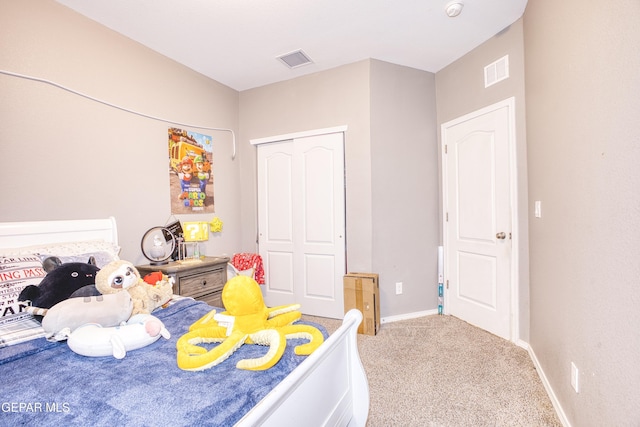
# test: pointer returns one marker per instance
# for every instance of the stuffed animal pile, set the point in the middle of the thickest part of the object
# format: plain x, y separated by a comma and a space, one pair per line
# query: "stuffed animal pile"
73, 295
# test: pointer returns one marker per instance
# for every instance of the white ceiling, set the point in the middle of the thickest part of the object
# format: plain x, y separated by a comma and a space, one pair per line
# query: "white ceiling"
236, 42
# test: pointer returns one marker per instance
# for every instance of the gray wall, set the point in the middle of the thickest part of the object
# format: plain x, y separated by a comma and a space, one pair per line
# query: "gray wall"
390, 162
460, 90
404, 164
65, 157
583, 135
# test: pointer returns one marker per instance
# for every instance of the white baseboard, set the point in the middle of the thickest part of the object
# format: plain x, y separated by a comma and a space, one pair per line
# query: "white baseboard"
547, 386
408, 316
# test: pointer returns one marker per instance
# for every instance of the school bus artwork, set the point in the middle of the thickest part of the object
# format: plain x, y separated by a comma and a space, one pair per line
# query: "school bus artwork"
181, 147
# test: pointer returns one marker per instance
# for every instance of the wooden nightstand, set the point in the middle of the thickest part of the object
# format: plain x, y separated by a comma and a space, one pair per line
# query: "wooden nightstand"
202, 280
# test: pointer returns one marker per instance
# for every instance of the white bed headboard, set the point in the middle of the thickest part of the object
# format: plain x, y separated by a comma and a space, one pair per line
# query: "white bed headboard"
18, 234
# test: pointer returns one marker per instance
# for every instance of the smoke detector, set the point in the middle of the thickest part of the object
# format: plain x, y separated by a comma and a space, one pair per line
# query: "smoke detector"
295, 59
453, 8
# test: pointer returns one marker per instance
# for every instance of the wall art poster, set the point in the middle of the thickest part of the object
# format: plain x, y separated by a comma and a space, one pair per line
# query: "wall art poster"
190, 172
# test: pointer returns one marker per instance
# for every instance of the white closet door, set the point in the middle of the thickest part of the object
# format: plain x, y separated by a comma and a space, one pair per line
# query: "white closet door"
301, 210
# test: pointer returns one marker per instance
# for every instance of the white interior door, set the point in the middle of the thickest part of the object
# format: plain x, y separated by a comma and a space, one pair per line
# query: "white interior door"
478, 218
301, 222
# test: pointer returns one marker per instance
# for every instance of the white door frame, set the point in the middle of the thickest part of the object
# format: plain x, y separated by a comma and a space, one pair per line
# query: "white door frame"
295, 135
513, 178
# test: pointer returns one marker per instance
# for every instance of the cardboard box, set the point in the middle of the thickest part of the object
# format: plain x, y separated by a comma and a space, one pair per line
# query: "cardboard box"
362, 291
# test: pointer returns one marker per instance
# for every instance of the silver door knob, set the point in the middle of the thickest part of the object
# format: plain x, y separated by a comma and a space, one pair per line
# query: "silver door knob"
501, 235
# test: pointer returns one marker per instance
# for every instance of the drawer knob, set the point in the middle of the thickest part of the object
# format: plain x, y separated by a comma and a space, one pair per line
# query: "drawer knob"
204, 282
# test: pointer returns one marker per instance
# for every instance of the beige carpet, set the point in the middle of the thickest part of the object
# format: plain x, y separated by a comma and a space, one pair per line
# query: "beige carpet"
438, 371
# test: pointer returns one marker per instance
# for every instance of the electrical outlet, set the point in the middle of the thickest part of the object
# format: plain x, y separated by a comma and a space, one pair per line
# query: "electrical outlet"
574, 377
398, 288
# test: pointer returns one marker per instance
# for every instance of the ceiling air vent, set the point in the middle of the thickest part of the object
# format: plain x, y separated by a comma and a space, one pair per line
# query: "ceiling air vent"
496, 71
295, 59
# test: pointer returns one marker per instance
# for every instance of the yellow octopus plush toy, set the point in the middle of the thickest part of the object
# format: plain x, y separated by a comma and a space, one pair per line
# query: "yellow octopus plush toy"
246, 321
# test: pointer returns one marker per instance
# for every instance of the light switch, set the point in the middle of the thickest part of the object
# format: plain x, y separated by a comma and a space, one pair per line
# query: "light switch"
538, 209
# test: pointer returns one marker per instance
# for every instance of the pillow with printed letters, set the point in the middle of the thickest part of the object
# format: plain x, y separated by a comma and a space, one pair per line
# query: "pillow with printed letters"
17, 272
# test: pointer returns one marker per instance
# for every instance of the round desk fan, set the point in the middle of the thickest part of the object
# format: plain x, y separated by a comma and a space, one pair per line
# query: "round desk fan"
157, 245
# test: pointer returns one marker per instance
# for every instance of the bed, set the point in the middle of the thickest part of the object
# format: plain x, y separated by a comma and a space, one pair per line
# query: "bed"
45, 383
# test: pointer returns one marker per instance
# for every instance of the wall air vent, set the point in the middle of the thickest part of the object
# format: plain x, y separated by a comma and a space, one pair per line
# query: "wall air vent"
295, 59
496, 71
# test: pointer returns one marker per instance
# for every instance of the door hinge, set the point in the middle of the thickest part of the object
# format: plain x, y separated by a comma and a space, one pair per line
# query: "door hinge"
445, 149
447, 217
447, 284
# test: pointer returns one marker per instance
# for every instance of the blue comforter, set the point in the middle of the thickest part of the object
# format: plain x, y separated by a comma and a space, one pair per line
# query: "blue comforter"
45, 383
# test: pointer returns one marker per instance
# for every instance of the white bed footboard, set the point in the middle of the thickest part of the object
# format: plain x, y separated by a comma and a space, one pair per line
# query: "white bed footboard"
329, 388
